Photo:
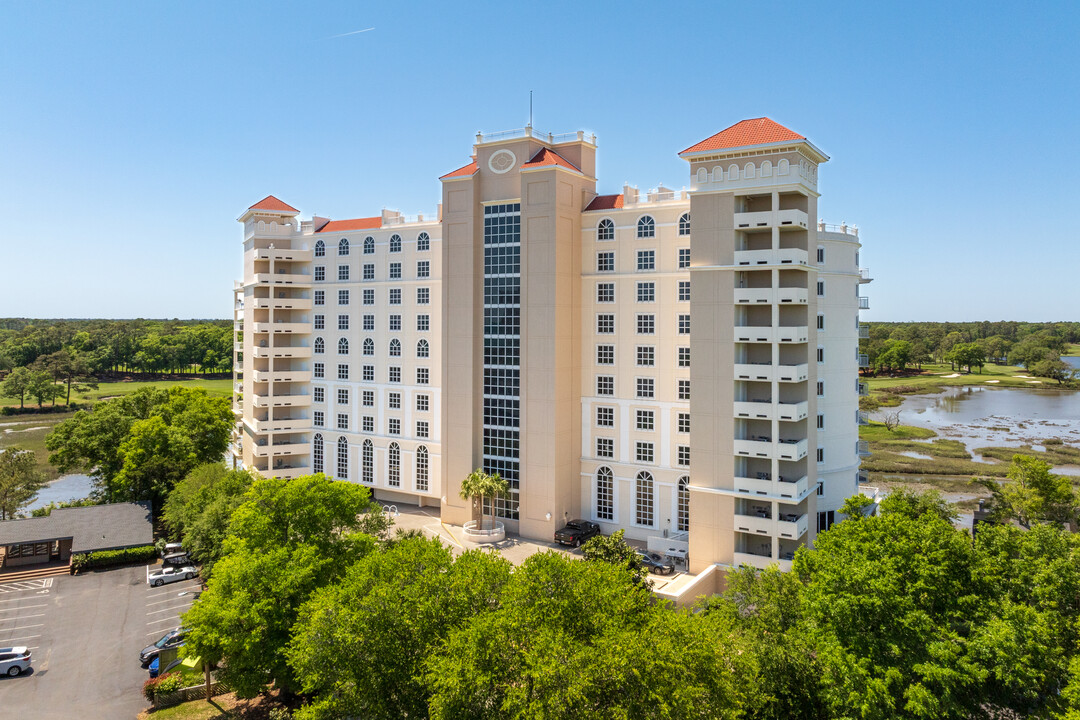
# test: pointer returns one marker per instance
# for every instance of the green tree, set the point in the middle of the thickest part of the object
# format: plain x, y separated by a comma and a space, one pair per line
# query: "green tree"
198, 510
360, 644
914, 504
17, 384
1033, 494
19, 480
1055, 369
478, 486
288, 539
614, 550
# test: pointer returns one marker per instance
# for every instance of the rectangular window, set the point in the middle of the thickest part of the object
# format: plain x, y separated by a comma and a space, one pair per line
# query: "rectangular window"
682, 422
605, 417
319, 370
423, 296
395, 374
422, 403
645, 420
684, 357
684, 390
421, 428
369, 297
343, 421
320, 322
422, 375
605, 354
605, 292
645, 388
369, 423
821, 321
394, 426
320, 297
820, 354
342, 371
821, 388
369, 373
369, 272
369, 323
605, 385
646, 355
318, 418
423, 323
643, 451
605, 262
342, 273
684, 324
343, 397
605, 324
821, 288
320, 273
395, 323
646, 324
395, 271
646, 292
684, 258
395, 296
821, 454
342, 322
821, 256
318, 394
684, 291
646, 260
394, 400
682, 455
423, 268
605, 447
369, 398
342, 297
821, 421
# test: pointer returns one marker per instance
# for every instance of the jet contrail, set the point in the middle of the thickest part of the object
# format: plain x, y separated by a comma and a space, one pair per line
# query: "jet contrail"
354, 32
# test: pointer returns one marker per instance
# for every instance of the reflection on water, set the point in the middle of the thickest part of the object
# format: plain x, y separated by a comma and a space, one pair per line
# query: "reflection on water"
1074, 361
63, 489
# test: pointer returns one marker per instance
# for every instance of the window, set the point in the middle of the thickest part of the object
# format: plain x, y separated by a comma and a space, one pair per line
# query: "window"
393, 465
684, 324
605, 385
643, 499
684, 291
343, 246
821, 321
682, 455
395, 374
646, 260
423, 242
646, 228
319, 370
320, 322
343, 421
369, 323
343, 346
820, 255
369, 373
343, 396
825, 520
395, 243
320, 297
643, 451
369, 297
343, 371
605, 230
421, 428
317, 453
342, 297
342, 322
684, 390
605, 262
605, 416
423, 296
320, 273
394, 426
820, 353
605, 447
369, 398
342, 273
605, 495
318, 418
342, 458
646, 292
369, 245
369, 423
320, 248
684, 357
821, 487
645, 388
422, 462
605, 354
684, 224
684, 258
369, 347
395, 271
821, 421
821, 454
423, 323
682, 505
422, 349
646, 324
369, 272
318, 394
422, 403
605, 292
367, 462
395, 296
423, 268
646, 355
645, 420
605, 324
821, 288
395, 348
422, 376
320, 346
395, 323
821, 388
682, 422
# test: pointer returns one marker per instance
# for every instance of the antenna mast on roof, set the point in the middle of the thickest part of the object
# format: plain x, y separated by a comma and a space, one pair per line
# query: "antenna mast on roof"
530, 108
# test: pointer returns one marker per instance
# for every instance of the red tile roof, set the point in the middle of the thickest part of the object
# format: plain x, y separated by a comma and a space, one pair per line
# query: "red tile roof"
757, 131
549, 157
370, 223
272, 203
606, 202
462, 171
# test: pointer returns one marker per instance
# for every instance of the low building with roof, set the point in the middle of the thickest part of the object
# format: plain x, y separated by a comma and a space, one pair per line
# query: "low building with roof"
75, 530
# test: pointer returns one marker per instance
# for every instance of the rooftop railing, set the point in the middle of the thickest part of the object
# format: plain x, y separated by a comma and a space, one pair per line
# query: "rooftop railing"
529, 131
842, 228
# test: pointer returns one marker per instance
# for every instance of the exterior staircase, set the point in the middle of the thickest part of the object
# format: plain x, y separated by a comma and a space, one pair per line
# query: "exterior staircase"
34, 572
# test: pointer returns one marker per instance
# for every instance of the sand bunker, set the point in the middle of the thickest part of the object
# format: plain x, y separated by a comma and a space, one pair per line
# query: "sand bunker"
954, 375
1034, 382
993, 381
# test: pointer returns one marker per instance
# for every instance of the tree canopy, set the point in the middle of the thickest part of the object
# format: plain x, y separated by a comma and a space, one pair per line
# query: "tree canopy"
198, 510
19, 480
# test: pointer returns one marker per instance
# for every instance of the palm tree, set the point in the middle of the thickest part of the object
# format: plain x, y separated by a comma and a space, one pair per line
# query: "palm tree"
478, 486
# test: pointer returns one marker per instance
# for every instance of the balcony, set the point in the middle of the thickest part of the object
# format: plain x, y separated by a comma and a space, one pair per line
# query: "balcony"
791, 449
792, 373
285, 254
768, 296
280, 449
279, 279
785, 256
281, 327
754, 409
300, 376
282, 303
791, 412
294, 424
864, 275
754, 448
862, 448
791, 526
764, 447
864, 303
760, 561
766, 372
795, 334
863, 389
862, 418
296, 351
771, 218
286, 472
864, 360
786, 488
864, 332
279, 401
754, 524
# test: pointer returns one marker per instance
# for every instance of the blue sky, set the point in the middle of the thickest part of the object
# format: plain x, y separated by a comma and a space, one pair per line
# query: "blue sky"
133, 134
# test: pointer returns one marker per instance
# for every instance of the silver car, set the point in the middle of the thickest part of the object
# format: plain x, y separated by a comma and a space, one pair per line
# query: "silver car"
14, 660
171, 574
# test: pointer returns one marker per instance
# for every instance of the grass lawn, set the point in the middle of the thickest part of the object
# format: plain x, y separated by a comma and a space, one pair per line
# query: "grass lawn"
220, 708
934, 375
216, 388
1071, 350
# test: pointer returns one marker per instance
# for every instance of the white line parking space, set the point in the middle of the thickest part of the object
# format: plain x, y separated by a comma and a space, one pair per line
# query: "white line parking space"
25, 585
166, 603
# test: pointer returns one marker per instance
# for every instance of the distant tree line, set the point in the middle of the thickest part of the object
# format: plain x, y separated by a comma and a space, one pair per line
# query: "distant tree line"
969, 346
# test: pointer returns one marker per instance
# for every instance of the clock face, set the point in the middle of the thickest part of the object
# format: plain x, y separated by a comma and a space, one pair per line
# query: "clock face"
502, 161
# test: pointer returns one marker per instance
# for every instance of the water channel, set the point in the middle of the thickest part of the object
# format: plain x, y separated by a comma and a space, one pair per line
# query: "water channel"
62, 489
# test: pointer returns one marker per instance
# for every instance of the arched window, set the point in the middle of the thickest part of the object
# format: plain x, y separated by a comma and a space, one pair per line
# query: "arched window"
395, 348
605, 494
717, 174
367, 463
369, 346
320, 248
393, 466
423, 242
782, 167
646, 228
766, 169
317, 453
395, 243
422, 349
748, 170
684, 224
643, 499
343, 346
733, 172
605, 230
702, 175
682, 505
422, 469
369, 245
343, 246
320, 346
342, 458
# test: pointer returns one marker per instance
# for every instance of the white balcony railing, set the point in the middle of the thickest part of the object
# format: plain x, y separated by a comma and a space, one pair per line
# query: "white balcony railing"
796, 334
768, 296
761, 447
864, 332
754, 410
783, 488
770, 218
864, 360
791, 527
863, 389
291, 279
862, 448
754, 524
765, 372
281, 327
791, 412
784, 256
791, 449
864, 303
283, 254
792, 373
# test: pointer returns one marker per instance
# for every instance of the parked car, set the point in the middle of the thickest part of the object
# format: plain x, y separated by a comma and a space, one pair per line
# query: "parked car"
656, 564
171, 548
171, 639
14, 660
576, 532
156, 663
176, 559
171, 573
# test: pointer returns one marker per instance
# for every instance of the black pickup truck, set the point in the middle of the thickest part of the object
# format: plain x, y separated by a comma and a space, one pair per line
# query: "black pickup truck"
576, 532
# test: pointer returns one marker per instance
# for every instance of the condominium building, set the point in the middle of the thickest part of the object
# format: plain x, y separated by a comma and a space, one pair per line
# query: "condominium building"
682, 365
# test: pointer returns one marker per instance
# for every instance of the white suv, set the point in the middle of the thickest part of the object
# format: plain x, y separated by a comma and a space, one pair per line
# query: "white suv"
14, 660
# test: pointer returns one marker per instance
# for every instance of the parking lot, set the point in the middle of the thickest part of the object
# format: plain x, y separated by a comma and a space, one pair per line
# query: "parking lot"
85, 633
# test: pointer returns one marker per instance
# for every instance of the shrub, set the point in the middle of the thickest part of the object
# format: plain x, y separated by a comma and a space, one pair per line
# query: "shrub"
279, 713
161, 685
108, 558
